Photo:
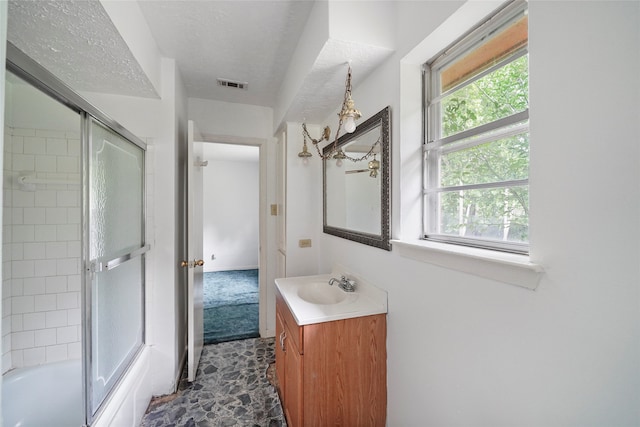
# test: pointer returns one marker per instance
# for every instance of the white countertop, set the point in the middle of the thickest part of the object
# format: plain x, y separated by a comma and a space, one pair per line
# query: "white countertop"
367, 300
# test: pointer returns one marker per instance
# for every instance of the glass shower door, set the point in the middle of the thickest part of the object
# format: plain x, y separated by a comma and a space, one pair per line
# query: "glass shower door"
116, 245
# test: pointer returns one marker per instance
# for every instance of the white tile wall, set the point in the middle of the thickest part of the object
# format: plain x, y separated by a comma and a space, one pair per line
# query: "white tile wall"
56, 318
41, 247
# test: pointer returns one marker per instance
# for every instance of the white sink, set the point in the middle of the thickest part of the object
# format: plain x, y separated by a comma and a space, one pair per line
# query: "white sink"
321, 293
312, 300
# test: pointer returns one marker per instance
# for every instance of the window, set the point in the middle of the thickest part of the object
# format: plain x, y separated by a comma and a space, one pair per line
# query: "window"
476, 174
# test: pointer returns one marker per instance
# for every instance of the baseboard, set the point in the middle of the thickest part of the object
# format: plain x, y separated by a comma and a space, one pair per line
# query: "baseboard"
267, 333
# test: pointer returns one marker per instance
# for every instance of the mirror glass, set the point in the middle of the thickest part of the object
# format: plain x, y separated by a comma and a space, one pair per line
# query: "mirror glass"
356, 188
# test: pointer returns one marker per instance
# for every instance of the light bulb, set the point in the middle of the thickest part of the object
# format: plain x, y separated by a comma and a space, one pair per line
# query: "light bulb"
350, 124
339, 162
305, 161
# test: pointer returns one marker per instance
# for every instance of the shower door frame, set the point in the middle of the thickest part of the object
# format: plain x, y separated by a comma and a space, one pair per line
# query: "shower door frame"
33, 73
102, 265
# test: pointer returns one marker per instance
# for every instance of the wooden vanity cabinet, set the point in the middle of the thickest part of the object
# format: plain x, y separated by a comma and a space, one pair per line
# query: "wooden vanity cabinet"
332, 373
289, 371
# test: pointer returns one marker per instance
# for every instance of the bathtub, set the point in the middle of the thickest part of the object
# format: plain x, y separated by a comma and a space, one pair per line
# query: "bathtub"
44, 395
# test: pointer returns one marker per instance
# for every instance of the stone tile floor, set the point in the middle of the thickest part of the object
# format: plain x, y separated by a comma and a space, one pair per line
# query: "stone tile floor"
231, 389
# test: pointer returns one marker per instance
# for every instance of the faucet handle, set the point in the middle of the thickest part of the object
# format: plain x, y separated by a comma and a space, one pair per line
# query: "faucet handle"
349, 285
346, 284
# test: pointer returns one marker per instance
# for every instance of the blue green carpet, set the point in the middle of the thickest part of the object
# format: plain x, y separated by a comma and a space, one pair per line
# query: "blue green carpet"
230, 305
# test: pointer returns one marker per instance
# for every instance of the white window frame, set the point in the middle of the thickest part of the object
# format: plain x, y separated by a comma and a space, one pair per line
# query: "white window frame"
433, 144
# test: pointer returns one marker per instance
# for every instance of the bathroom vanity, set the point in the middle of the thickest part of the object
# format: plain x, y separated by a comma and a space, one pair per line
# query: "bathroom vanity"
331, 353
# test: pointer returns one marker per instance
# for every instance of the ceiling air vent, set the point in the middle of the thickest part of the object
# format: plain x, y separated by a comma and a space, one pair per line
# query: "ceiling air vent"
233, 84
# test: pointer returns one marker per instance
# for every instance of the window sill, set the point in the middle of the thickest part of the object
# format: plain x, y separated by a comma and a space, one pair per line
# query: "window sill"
504, 267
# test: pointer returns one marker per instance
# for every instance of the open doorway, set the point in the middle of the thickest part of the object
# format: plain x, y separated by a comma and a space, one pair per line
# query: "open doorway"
231, 241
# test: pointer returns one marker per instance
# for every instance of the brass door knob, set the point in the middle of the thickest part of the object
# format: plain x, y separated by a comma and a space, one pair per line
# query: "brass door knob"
194, 263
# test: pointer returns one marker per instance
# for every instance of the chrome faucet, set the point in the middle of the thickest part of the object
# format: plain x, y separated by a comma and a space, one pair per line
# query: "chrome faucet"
345, 284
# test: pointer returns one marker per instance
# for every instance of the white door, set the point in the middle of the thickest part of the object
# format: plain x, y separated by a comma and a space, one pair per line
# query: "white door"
194, 260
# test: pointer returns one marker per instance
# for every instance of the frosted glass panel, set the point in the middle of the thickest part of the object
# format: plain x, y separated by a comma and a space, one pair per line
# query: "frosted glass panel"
116, 194
117, 328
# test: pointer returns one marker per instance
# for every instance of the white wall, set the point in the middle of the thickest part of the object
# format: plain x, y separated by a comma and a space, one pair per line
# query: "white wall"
226, 118
350, 21
303, 203
231, 223
464, 350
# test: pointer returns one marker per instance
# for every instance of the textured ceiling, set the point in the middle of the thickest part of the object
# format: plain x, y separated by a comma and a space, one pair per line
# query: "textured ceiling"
243, 40
76, 41
246, 41
323, 88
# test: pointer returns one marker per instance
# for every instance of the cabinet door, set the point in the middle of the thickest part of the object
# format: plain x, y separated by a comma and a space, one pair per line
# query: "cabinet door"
293, 384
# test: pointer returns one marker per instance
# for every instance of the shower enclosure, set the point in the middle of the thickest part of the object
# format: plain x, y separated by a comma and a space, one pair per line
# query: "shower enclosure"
73, 240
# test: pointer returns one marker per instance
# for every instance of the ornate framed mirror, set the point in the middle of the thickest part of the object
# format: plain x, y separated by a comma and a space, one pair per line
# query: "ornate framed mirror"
357, 186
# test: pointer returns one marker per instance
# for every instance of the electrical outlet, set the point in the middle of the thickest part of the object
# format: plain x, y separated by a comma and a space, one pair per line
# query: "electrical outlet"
274, 210
304, 243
